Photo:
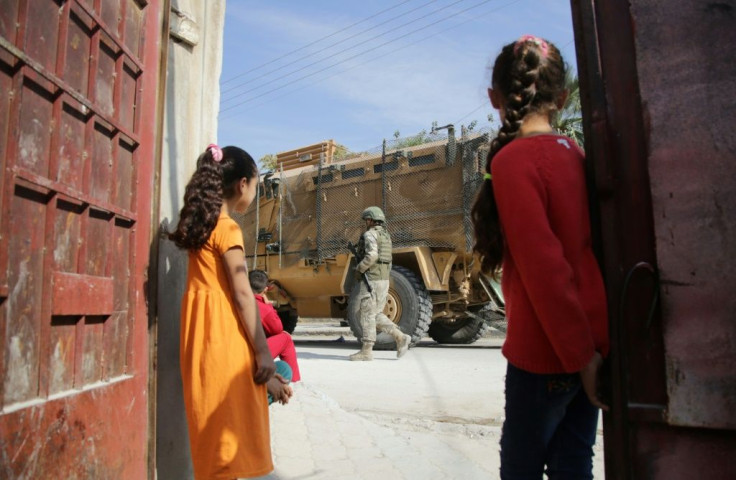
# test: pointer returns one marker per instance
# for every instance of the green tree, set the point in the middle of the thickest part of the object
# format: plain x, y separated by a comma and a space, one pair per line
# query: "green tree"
342, 152
413, 140
569, 120
268, 162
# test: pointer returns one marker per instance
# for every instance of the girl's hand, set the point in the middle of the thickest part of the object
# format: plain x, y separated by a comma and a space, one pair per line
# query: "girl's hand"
265, 368
590, 377
279, 389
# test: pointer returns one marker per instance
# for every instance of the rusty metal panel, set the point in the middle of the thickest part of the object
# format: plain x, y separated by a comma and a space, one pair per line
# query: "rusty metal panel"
692, 453
115, 351
133, 24
76, 181
694, 199
70, 437
124, 175
35, 126
75, 294
23, 308
127, 105
42, 33
61, 353
105, 78
97, 242
6, 102
92, 353
71, 149
68, 226
9, 20
111, 15
665, 189
101, 160
76, 66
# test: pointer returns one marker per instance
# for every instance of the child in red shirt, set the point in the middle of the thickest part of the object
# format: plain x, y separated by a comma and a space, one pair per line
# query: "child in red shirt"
531, 219
279, 342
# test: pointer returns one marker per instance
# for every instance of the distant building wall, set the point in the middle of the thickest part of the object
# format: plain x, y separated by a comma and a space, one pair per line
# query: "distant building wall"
190, 123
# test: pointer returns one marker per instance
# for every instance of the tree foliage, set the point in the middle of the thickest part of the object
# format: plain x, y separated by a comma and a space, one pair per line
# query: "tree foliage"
268, 162
341, 152
569, 120
414, 140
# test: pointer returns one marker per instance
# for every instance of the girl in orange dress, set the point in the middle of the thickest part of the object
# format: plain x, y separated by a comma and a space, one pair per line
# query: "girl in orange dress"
225, 360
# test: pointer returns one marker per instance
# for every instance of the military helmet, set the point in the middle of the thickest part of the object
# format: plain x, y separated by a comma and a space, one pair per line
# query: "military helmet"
374, 213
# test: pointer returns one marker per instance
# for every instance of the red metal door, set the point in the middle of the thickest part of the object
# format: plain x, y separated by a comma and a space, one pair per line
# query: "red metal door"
78, 81
659, 138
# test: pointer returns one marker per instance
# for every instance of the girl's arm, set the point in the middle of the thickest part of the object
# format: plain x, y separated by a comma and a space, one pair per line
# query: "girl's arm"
590, 377
245, 304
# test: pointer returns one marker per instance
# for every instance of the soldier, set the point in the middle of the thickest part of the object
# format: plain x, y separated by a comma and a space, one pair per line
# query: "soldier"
374, 255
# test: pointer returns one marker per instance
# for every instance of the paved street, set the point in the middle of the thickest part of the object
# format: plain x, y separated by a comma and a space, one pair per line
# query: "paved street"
434, 414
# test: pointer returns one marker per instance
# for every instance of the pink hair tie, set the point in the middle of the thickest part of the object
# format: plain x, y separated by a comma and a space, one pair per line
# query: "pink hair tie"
539, 42
215, 151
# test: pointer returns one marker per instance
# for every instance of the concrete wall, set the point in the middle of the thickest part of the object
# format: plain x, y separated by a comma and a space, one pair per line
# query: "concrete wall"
190, 124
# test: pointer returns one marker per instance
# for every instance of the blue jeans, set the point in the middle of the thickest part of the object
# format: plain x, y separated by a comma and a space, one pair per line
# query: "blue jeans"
549, 422
283, 369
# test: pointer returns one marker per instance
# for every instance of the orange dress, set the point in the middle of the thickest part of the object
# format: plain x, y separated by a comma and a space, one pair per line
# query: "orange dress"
227, 413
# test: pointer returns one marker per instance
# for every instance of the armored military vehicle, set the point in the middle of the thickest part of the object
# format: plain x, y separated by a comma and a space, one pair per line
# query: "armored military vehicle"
307, 211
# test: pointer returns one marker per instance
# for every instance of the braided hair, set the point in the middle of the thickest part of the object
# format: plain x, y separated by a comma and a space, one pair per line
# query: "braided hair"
216, 178
530, 75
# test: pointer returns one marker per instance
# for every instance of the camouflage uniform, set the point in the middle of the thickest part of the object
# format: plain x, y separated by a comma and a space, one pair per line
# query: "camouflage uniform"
374, 249
375, 246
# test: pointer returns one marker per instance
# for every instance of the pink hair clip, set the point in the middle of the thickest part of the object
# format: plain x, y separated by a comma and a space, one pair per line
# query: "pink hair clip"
539, 42
216, 152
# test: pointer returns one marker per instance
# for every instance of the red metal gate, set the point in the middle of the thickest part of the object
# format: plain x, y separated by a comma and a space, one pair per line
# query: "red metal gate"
659, 104
78, 81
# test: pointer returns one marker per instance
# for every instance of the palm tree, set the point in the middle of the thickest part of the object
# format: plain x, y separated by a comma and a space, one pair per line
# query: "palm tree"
569, 120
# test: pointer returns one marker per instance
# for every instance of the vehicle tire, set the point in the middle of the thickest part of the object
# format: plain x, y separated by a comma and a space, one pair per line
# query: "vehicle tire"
289, 318
466, 330
409, 306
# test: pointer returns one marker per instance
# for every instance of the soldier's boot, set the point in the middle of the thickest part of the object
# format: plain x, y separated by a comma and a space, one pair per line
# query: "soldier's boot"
402, 342
365, 354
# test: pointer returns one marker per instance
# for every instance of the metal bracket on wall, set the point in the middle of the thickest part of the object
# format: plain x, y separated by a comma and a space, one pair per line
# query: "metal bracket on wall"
183, 27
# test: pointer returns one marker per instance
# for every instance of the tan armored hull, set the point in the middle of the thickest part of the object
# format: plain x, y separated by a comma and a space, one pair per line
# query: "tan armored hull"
305, 215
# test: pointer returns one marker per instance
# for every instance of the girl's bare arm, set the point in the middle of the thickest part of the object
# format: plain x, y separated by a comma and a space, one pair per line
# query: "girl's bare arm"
245, 303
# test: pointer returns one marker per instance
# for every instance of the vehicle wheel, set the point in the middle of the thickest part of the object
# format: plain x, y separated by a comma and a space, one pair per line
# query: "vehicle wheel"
289, 318
466, 330
408, 305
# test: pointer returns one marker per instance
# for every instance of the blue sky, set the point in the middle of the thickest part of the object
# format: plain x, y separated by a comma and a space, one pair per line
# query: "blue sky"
297, 73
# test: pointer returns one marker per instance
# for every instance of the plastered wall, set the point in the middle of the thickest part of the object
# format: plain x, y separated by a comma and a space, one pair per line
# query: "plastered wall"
190, 124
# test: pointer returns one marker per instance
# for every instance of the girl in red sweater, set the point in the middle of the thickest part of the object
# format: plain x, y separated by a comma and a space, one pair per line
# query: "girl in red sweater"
531, 219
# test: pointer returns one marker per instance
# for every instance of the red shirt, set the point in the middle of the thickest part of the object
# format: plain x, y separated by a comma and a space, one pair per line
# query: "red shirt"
269, 318
554, 293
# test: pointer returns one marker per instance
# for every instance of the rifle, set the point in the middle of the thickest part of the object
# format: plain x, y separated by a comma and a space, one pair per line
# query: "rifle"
354, 250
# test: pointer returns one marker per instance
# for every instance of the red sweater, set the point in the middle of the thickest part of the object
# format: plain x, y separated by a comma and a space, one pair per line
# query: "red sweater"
554, 293
269, 318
